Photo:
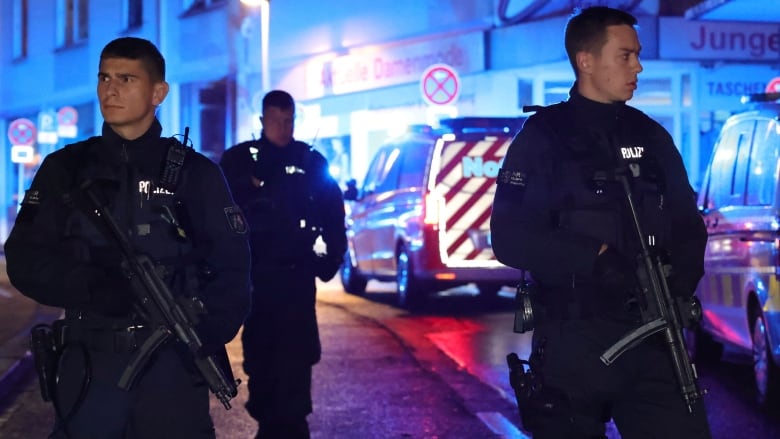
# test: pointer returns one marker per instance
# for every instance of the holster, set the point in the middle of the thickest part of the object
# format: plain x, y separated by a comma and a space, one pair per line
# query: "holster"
46, 354
535, 401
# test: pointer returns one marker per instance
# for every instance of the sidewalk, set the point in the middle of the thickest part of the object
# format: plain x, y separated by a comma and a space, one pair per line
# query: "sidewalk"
18, 314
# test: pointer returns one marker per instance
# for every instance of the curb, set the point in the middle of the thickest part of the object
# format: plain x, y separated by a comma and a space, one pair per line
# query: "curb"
13, 376
16, 361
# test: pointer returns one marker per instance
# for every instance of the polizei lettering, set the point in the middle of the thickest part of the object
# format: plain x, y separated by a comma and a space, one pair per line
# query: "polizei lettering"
476, 167
145, 187
632, 152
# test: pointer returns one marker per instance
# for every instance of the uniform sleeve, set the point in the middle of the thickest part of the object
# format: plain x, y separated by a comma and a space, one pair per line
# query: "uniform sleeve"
238, 173
688, 232
41, 262
523, 231
334, 231
221, 236
331, 209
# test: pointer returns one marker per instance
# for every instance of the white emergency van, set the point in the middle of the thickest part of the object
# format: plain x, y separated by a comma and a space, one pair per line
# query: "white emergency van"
422, 215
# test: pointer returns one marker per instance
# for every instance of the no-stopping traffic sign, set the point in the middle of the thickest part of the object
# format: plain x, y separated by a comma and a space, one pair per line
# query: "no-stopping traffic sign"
440, 85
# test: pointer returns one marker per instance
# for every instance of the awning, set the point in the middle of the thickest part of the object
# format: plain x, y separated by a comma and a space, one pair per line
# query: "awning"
735, 10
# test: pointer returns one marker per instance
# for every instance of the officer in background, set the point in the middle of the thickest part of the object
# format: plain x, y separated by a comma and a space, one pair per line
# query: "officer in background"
574, 233
290, 200
59, 254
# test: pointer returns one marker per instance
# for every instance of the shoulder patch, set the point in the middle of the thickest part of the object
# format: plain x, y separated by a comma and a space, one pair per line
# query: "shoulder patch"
512, 178
32, 197
236, 220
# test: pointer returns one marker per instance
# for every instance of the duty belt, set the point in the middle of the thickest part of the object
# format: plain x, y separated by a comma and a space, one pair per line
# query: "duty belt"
115, 340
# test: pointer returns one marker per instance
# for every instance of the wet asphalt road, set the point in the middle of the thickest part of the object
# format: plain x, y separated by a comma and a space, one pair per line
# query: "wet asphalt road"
437, 373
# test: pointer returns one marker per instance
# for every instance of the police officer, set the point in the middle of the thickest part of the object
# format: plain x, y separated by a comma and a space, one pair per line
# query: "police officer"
290, 200
185, 220
559, 215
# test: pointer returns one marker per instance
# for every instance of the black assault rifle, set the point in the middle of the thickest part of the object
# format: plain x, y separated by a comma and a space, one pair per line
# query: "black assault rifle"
164, 313
660, 311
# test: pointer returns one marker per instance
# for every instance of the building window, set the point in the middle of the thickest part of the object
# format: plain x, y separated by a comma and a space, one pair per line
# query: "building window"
20, 28
72, 22
194, 5
132, 13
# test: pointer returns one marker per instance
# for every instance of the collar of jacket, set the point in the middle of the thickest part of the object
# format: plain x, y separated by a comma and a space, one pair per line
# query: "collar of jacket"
143, 150
292, 150
593, 110
110, 137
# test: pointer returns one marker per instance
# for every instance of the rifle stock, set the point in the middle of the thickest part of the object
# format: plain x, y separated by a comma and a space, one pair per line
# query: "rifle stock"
162, 310
659, 311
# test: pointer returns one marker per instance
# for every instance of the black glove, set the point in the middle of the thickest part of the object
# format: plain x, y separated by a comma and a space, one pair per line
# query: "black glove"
616, 276
325, 267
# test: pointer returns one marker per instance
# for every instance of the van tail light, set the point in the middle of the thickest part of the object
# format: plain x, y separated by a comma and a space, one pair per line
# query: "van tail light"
433, 206
777, 256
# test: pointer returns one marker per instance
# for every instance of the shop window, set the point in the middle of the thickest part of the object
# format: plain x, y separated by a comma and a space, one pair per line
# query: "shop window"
212, 100
556, 91
20, 13
132, 13
653, 92
72, 22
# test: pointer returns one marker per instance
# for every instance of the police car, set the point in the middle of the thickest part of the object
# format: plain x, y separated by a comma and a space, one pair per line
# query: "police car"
422, 215
740, 201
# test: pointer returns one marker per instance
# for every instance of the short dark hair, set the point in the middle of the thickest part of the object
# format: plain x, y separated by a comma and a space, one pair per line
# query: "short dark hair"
278, 98
139, 49
586, 30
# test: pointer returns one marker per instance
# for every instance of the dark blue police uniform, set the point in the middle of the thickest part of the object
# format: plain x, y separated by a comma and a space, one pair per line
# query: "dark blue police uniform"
551, 215
59, 255
290, 200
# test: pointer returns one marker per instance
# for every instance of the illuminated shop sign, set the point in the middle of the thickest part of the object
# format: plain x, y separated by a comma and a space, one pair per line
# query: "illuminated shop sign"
679, 38
380, 66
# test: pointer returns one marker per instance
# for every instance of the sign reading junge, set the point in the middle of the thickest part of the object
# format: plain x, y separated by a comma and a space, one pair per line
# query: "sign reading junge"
679, 38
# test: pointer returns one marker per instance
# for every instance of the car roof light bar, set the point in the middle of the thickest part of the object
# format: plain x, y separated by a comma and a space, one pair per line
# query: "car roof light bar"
760, 97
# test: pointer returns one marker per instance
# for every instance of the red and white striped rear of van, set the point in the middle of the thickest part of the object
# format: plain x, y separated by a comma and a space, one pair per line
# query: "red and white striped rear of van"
460, 197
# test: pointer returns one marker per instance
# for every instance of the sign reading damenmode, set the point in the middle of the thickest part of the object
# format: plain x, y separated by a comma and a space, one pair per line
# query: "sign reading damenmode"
372, 67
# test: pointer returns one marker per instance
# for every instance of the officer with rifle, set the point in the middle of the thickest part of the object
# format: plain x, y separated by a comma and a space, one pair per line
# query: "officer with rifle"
593, 200
137, 237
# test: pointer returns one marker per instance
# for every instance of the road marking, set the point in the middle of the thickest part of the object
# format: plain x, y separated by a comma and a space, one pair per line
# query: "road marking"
501, 425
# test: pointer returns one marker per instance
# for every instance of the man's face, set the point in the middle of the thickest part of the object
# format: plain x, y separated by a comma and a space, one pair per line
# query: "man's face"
278, 125
128, 96
611, 75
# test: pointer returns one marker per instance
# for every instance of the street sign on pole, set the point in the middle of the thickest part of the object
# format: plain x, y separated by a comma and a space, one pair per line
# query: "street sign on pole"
440, 85
67, 117
21, 132
774, 85
47, 127
22, 154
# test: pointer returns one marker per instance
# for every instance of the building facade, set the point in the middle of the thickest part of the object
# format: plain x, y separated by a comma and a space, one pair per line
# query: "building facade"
360, 71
